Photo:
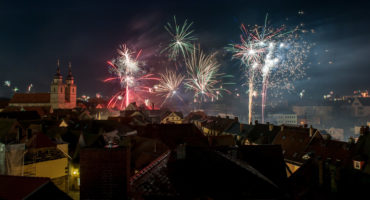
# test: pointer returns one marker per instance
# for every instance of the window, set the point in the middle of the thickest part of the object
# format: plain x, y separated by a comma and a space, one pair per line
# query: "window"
61, 89
357, 164
73, 90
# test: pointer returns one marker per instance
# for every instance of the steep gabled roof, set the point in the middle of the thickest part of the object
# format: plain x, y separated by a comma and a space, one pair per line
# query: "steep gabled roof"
40, 140
173, 134
331, 149
260, 133
219, 124
295, 141
41, 110
20, 115
22, 187
168, 113
30, 98
194, 116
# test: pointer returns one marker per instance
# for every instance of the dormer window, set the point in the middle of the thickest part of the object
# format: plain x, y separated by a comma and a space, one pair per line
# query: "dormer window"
306, 156
358, 164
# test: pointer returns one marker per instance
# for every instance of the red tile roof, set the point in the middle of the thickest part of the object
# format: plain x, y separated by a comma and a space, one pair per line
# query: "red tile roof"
30, 98
41, 110
19, 187
295, 142
336, 150
40, 140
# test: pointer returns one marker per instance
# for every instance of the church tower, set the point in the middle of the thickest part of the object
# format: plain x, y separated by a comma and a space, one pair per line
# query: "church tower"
71, 89
57, 90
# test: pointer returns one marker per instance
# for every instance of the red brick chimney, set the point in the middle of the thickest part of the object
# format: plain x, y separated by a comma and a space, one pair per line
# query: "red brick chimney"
236, 119
311, 131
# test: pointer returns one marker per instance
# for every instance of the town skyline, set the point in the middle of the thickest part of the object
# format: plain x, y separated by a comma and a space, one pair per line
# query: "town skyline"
60, 40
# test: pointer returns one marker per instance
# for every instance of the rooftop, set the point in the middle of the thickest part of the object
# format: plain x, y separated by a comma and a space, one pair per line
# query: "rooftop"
30, 98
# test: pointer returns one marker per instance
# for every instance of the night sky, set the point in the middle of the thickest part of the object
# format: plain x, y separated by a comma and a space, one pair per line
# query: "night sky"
35, 34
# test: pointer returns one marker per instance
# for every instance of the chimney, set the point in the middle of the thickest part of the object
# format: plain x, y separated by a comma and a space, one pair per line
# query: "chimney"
305, 125
256, 122
241, 127
351, 140
282, 128
362, 130
271, 127
311, 131
236, 119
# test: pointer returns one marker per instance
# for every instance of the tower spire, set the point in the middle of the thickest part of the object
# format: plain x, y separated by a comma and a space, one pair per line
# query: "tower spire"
58, 69
70, 76
69, 69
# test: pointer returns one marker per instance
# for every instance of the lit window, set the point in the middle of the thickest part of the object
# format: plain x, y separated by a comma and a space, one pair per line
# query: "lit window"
357, 164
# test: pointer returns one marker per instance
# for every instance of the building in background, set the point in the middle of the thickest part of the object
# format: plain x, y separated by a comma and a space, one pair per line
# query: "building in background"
62, 94
104, 173
283, 118
172, 118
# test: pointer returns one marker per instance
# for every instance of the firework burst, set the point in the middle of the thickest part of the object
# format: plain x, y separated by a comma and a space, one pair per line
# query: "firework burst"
203, 75
168, 85
181, 39
273, 55
7, 83
126, 69
29, 88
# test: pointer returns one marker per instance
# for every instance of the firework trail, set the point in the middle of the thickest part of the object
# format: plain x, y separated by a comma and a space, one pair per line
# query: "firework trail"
126, 69
168, 85
301, 94
181, 39
250, 52
7, 83
274, 54
29, 88
203, 75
